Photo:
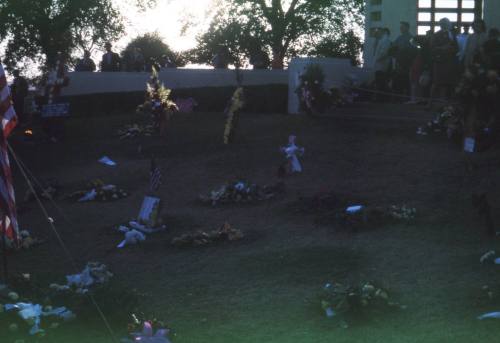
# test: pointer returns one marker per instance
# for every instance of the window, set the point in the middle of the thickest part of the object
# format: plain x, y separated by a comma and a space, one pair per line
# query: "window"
375, 2
460, 12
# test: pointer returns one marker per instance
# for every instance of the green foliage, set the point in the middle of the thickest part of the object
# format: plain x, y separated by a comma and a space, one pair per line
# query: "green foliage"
153, 47
38, 30
238, 35
347, 45
285, 28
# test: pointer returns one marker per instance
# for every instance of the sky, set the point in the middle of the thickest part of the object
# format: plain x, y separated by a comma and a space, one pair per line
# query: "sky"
168, 18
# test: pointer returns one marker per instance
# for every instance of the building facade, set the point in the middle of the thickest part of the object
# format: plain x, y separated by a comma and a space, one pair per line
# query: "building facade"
423, 15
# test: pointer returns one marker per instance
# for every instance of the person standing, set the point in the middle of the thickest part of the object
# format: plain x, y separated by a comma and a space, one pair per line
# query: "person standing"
444, 50
111, 61
462, 43
382, 61
19, 91
475, 41
85, 64
404, 54
491, 50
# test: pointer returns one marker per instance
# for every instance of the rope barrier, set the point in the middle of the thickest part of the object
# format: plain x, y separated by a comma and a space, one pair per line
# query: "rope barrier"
51, 222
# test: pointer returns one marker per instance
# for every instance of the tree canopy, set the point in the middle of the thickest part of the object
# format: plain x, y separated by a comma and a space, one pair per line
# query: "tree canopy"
39, 30
153, 47
284, 28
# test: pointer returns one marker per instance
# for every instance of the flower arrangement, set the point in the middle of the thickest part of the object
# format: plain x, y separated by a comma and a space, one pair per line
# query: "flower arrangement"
339, 301
97, 190
225, 233
232, 114
158, 103
241, 192
402, 212
147, 331
310, 89
448, 121
136, 130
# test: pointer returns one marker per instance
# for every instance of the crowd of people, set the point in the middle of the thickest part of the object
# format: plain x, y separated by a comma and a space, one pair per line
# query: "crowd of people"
449, 66
430, 67
132, 61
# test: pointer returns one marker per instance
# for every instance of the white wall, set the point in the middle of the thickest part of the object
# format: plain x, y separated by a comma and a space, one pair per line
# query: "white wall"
94, 83
336, 70
491, 12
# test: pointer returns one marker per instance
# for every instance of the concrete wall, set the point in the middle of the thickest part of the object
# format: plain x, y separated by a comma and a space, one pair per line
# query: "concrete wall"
491, 13
336, 70
97, 83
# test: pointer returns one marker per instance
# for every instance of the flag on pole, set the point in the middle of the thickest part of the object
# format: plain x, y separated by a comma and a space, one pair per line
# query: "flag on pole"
7, 199
155, 173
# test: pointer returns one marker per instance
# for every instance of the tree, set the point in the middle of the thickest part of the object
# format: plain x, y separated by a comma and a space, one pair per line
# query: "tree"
38, 30
346, 45
285, 27
152, 47
238, 36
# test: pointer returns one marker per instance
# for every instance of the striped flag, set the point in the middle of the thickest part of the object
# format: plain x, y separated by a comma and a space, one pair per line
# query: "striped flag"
155, 173
7, 199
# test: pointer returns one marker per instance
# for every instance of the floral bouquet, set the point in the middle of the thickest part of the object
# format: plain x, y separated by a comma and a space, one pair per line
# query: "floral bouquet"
241, 192
341, 302
232, 114
158, 103
97, 190
225, 233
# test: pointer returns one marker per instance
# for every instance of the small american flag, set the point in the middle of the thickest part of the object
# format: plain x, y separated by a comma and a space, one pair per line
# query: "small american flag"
7, 199
155, 173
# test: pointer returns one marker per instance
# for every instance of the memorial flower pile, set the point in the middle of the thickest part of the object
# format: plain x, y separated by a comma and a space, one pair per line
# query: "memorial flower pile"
200, 238
147, 331
402, 212
158, 103
339, 302
136, 130
97, 190
25, 241
241, 192
447, 121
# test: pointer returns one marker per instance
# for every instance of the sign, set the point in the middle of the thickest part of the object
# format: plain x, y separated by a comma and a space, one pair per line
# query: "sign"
149, 212
55, 110
469, 144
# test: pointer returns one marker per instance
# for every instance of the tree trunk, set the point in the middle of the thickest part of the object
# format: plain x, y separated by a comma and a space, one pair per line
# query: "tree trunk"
278, 59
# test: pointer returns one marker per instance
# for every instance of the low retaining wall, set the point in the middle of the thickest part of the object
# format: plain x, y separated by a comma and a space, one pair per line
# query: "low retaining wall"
262, 99
266, 90
121, 82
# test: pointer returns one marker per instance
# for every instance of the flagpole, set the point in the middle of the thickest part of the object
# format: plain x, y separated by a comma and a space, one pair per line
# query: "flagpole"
4, 249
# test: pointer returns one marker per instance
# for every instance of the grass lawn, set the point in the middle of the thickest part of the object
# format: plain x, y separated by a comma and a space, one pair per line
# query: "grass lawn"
264, 288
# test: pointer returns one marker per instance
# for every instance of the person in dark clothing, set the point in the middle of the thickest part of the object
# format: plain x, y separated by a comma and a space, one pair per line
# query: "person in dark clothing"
111, 61
444, 49
404, 54
221, 59
86, 63
260, 59
19, 91
491, 50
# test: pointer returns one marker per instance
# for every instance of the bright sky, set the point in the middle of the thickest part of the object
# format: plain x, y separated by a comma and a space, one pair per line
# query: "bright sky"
169, 18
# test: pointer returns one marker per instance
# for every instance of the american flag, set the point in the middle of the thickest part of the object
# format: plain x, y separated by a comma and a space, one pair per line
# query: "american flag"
7, 199
155, 173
